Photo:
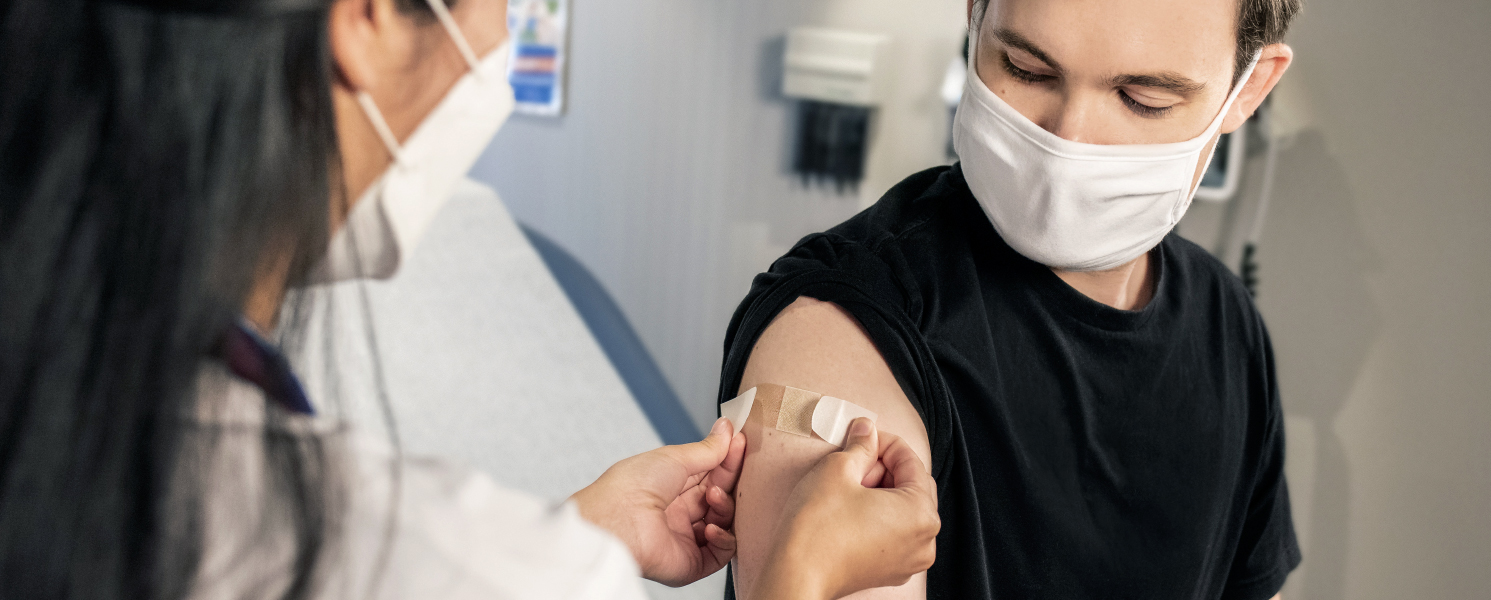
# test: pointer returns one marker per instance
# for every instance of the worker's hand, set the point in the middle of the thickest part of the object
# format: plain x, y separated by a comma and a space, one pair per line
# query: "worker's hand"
864, 517
672, 506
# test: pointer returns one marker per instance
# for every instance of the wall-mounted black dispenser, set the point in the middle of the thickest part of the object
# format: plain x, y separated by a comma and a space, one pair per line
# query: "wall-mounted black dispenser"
838, 79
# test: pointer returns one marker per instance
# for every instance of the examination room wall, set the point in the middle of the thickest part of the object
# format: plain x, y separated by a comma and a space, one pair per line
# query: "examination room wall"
668, 177
1376, 284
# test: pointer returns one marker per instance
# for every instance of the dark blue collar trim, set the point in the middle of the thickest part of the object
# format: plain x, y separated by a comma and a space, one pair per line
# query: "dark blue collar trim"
256, 361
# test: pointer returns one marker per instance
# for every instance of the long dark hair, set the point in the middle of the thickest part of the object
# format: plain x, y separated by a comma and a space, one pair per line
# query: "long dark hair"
153, 165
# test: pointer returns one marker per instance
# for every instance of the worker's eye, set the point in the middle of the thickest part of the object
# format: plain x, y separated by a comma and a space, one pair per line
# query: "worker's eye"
1142, 109
1022, 74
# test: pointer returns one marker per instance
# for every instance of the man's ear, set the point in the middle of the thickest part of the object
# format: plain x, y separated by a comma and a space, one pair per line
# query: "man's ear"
359, 34
1272, 63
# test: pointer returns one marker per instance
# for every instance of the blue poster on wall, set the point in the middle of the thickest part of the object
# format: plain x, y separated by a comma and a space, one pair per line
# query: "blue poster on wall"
536, 69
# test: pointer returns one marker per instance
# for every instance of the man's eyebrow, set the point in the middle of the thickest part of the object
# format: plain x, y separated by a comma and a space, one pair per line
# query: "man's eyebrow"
1013, 39
1168, 80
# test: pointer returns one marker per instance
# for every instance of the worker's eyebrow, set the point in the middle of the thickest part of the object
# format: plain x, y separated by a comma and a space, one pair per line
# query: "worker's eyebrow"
1168, 80
1014, 39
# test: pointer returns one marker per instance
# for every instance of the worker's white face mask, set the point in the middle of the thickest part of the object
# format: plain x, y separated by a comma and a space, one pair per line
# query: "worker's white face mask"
387, 222
1070, 205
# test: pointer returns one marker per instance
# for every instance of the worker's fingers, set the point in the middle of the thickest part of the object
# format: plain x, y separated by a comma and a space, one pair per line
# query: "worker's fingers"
699, 528
692, 503
699, 457
906, 470
728, 472
917, 497
721, 508
875, 477
861, 448
879, 476
720, 547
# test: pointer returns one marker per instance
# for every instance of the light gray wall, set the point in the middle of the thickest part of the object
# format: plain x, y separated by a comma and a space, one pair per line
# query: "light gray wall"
1375, 281
667, 178
1381, 306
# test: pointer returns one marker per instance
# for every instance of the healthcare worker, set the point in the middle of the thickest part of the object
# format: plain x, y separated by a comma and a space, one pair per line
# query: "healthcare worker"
165, 170
483, 357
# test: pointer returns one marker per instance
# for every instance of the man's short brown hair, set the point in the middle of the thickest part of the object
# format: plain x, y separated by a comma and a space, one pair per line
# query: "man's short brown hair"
1259, 23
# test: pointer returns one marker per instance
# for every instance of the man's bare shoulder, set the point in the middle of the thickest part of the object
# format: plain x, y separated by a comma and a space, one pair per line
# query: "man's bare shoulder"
818, 346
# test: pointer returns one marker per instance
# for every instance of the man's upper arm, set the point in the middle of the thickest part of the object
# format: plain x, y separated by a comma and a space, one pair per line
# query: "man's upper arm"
816, 346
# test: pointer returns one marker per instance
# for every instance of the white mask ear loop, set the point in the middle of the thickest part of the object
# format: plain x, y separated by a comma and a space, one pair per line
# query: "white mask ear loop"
442, 13
1232, 95
370, 108
375, 117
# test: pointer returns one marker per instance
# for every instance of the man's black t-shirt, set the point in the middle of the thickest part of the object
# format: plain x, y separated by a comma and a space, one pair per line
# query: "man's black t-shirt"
1080, 451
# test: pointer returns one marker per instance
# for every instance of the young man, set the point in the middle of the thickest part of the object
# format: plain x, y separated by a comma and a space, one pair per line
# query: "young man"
1094, 395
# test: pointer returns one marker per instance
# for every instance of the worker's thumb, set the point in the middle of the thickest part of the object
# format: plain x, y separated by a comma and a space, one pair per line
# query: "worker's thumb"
706, 454
862, 447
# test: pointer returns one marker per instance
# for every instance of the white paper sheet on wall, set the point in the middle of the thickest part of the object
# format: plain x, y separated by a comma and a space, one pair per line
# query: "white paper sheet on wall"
540, 32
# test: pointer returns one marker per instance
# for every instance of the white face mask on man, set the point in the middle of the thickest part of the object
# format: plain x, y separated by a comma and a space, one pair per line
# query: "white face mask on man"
1070, 205
394, 212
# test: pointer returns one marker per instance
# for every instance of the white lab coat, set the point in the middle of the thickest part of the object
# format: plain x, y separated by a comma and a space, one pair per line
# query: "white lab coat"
483, 360
483, 356
457, 536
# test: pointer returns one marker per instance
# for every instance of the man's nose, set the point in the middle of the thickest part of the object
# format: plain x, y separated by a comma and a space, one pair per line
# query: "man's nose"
1070, 120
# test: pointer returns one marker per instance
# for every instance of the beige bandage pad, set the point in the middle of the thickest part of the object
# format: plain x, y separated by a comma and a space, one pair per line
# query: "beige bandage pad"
795, 411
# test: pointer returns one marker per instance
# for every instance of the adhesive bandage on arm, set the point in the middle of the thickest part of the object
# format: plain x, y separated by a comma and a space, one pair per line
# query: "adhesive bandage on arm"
795, 411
